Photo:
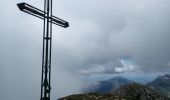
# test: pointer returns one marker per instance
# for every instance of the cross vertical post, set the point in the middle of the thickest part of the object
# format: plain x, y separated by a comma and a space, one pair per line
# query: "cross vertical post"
46, 59
49, 19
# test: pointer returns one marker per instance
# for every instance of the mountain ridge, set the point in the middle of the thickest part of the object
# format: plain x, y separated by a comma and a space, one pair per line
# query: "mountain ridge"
133, 91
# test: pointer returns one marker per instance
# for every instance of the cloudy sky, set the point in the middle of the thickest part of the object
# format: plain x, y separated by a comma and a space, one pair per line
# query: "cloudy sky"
105, 37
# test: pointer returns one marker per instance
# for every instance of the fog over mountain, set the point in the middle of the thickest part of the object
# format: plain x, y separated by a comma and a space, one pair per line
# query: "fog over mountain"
104, 37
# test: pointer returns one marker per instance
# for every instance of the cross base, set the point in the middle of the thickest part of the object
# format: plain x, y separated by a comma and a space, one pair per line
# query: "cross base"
47, 98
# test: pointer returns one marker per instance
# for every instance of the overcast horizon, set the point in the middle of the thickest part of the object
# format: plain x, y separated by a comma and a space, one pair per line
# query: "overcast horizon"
106, 38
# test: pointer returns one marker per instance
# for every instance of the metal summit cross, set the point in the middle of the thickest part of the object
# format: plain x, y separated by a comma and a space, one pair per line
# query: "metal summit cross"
49, 19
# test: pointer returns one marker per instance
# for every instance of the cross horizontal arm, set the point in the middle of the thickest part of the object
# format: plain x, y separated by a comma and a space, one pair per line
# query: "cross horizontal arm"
41, 14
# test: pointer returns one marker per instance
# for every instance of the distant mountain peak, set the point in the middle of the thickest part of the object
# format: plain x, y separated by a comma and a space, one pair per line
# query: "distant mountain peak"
108, 85
161, 81
161, 84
